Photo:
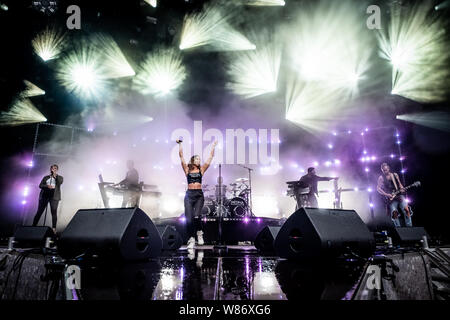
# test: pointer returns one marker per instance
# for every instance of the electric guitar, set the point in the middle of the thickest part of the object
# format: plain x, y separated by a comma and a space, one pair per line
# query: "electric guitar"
396, 193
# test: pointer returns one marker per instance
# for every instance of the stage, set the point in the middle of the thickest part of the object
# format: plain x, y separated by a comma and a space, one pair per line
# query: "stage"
237, 273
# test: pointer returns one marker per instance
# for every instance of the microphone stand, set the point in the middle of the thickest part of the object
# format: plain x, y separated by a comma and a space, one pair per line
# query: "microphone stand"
220, 245
250, 186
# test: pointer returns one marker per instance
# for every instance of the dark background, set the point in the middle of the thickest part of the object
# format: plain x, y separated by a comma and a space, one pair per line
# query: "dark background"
428, 149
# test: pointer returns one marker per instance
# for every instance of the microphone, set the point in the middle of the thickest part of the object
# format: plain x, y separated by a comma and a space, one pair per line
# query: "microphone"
180, 140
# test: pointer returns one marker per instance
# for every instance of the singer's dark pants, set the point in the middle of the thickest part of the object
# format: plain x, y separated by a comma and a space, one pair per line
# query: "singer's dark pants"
193, 205
41, 207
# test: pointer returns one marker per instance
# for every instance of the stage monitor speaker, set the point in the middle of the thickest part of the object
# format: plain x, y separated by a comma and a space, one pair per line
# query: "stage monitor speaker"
409, 234
265, 238
32, 237
171, 239
311, 233
125, 233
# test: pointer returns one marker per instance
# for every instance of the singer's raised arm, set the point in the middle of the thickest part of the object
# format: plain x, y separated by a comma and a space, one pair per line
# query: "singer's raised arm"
180, 153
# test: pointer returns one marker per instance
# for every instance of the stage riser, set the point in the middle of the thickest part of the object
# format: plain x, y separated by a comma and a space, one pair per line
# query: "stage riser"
233, 231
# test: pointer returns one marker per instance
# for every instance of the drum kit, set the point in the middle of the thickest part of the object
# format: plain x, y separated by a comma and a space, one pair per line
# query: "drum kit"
235, 199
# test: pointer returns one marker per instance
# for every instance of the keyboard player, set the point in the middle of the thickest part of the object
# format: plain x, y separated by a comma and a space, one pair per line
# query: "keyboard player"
131, 186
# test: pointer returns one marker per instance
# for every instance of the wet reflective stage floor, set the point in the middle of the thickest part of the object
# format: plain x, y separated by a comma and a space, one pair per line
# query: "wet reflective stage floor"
238, 273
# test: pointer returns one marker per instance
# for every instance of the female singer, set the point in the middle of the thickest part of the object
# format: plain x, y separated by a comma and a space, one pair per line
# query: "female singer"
193, 201
50, 192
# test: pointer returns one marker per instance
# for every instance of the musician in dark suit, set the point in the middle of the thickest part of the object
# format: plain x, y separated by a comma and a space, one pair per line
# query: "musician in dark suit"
50, 193
311, 180
388, 183
131, 186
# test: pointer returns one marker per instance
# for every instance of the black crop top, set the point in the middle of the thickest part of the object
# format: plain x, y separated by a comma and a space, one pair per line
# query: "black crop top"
193, 177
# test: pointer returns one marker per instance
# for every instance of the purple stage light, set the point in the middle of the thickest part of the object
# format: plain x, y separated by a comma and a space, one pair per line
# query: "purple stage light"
24, 202
337, 162
246, 220
365, 152
115, 133
363, 159
30, 164
402, 158
367, 129
399, 142
330, 146
182, 219
258, 220
366, 169
369, 189
371, 205
349, 131
315, 163
373, 158
392, 156
334, 133
397, 135
403, 171
25, 191
356, 189
362, 133
327, 163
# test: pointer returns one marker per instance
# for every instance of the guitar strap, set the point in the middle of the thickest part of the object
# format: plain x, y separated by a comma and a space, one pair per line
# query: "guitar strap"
393, 178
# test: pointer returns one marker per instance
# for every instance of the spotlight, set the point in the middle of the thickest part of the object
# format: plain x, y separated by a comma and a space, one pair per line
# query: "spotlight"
439, 120
211, 27
153, 3
31, 90
114, 63
327, 59
22, 112
265, 3
161, 73
81, 72
48, 44
442, 5
416, 45
255, 72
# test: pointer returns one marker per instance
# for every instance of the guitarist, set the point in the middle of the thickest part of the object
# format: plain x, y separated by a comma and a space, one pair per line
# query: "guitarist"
389, 183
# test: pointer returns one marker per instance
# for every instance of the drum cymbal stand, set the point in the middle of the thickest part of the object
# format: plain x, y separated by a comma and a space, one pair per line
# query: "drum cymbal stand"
220, 245
249, 194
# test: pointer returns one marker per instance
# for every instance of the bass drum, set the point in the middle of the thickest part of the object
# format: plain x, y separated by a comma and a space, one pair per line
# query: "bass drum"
209, 207
237, 207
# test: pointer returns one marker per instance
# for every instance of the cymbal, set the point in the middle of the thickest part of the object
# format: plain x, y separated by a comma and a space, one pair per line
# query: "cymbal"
241, 180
